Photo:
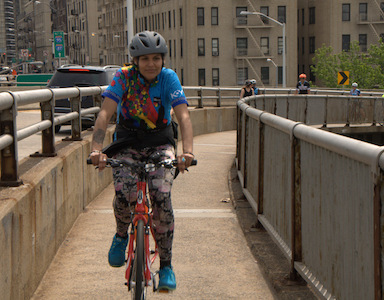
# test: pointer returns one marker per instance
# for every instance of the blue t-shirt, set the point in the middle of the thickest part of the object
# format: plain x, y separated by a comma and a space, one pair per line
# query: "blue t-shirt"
144, 104
355, 92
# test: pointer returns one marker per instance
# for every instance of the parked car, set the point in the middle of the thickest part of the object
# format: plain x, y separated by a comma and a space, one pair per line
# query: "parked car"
80, 76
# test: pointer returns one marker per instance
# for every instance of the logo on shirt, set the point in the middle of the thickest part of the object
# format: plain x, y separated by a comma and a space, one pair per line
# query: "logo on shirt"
177, 94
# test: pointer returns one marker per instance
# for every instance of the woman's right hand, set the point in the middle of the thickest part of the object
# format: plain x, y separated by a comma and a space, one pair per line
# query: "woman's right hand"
99, 159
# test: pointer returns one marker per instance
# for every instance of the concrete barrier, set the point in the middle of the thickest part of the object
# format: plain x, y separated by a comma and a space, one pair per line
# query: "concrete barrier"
36, 217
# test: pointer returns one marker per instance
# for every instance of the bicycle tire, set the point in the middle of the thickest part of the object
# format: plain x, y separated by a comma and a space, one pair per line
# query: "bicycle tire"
138, 271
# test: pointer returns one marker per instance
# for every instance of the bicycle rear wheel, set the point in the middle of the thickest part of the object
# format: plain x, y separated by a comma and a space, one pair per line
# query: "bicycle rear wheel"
138, 292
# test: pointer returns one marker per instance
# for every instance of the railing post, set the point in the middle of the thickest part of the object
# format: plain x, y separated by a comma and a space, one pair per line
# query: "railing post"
348, 109
260, 171
200, 95
218, 95
9, 155
296, 241
76, 123
48, 135
374, 112
325, 112
377, 235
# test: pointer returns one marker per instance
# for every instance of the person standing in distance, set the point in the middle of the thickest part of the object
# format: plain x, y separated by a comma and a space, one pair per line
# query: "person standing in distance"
143, 95
303, 86
255, 89
247, 90
354, 91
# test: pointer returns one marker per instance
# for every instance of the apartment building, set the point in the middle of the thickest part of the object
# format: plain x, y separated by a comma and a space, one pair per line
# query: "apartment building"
83, 29
7, 33
113, 32
210, 43
336, 23
34, 26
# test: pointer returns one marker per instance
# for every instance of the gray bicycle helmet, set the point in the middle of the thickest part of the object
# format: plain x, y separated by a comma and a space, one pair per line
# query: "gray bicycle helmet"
147, 42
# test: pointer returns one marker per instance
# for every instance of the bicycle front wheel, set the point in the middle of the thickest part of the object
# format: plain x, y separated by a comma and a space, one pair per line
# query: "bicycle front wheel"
138, 266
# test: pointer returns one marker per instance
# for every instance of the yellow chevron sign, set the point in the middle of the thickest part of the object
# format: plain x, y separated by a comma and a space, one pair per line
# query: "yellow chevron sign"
343, 77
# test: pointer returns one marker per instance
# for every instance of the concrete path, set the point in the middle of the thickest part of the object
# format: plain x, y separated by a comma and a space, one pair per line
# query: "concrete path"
211, 258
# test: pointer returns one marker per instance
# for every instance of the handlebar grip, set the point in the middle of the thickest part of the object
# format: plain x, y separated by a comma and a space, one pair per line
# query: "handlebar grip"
194, 162
89, 161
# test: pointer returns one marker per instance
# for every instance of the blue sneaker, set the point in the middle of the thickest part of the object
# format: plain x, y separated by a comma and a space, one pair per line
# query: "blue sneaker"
116, 255
167, 280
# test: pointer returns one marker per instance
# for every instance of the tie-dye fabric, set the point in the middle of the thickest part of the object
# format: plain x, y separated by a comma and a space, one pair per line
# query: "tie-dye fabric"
141, 102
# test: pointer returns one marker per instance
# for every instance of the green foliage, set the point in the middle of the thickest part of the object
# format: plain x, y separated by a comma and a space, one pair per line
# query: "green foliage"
365, 68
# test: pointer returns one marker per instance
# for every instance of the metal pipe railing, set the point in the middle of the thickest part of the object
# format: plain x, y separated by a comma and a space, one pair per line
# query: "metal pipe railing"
197, 95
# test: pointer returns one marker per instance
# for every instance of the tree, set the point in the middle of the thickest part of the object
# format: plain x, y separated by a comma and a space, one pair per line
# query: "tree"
365, 68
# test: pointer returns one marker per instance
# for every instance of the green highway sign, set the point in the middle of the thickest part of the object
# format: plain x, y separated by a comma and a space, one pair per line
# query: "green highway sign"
58, 43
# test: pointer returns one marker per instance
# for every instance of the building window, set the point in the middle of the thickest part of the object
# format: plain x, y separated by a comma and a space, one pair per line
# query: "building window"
201, 77
264, 45
241, 20
363, 42
346, 12
279, 45
215, 47
346, 41
312, 15
382, 11
280, 75
312, 76
281, 14
302, 45
264, 10
265, 75
169, 19
242, 46
170, 48
312, 44
214, 16
363, 11
215, 77
174, 18
200, 16
302, 17
181, 17
181, 47
201, 47
242, 75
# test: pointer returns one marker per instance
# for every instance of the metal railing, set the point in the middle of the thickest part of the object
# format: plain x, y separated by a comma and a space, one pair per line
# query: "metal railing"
9, 135
318, 194
278, 101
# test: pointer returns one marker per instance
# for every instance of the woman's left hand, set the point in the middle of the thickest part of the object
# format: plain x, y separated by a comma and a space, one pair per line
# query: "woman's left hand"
184, 161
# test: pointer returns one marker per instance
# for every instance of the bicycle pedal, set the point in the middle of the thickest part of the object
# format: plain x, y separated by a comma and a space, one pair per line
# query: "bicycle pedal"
153, 251
164, 291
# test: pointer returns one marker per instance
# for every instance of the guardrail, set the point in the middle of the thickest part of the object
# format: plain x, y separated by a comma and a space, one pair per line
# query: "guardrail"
318, 194
322, 107
9, 135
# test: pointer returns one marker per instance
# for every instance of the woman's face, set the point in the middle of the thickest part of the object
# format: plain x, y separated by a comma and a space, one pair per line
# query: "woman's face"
150, 65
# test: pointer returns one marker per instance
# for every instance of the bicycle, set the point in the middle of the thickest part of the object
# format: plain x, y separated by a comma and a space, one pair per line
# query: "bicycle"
140, 257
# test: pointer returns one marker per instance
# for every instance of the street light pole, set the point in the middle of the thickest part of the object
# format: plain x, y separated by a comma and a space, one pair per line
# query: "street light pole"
245, 13
277, 72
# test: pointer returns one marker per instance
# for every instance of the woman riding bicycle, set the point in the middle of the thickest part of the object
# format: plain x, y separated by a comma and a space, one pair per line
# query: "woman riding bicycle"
143, 95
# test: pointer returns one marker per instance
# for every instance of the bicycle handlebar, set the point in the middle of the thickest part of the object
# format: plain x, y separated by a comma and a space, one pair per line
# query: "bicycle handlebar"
119, 163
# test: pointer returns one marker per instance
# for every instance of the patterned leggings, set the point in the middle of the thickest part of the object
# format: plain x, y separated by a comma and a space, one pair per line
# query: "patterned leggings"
159, 185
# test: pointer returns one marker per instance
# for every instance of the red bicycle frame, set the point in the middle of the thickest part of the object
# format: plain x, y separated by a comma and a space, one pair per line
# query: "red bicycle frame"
141, 213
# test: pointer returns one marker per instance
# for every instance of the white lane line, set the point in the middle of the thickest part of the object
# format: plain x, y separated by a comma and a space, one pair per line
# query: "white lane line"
203, 213
184, 213
215, 145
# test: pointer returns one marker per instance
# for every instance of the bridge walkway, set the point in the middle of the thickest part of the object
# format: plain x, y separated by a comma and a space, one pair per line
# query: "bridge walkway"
210, 256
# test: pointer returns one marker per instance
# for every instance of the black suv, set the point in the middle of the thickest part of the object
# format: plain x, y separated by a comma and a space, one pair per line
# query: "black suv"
80, 76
